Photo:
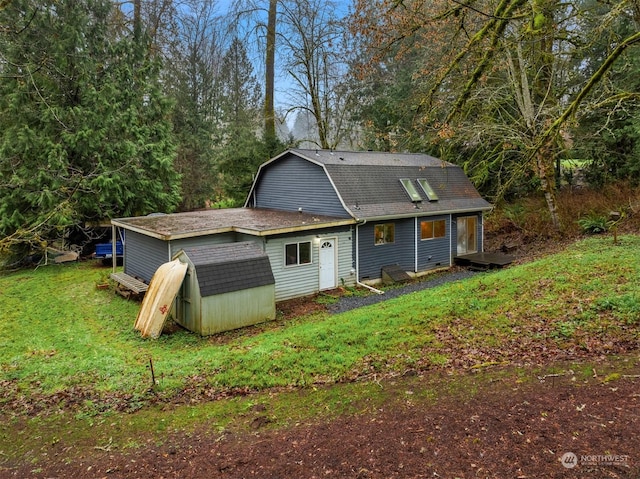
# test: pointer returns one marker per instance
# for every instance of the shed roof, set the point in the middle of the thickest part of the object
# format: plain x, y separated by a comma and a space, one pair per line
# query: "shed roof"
230, 267
253, 221
368, 183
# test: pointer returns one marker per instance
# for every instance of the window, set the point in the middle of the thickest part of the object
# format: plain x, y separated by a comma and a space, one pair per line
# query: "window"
411, 190
385, 233
426, 187
432, 229
297, 253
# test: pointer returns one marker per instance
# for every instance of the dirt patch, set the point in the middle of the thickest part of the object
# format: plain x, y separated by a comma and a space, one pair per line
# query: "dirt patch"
298, 307
504, 428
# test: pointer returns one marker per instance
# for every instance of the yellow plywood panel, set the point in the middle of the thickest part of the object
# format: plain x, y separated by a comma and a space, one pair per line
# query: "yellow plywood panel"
159, 298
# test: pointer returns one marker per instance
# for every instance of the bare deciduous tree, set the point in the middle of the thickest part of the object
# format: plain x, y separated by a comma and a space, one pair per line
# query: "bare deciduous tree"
313, 36
495, 66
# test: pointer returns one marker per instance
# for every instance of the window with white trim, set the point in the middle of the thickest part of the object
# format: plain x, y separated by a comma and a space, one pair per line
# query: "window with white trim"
297, 253
384, 233
433, 229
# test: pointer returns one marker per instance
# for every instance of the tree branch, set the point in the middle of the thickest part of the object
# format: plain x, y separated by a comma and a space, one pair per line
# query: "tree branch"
595, 78
494, 27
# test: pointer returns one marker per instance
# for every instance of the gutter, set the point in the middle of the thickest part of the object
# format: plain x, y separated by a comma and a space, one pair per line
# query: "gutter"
370, 288
230, 229
431, 213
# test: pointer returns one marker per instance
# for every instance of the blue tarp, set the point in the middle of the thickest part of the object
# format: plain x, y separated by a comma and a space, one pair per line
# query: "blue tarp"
105, 250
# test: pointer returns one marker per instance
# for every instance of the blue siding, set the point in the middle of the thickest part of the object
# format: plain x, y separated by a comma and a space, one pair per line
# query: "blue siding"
143, 255
373, 257
434, 253
409, 251
292, 183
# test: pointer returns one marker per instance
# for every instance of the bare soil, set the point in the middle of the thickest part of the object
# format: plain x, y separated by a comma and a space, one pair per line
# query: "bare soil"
492, 423
506, 427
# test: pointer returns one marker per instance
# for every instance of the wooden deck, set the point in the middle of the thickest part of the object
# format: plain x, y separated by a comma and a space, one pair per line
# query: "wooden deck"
130, 282
484, 261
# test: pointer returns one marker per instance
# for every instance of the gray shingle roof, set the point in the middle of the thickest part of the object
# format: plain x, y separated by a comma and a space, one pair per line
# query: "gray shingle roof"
370, 158
228, 267
369, 183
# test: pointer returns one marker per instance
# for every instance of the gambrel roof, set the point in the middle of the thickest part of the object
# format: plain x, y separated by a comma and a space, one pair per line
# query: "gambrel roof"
368, 184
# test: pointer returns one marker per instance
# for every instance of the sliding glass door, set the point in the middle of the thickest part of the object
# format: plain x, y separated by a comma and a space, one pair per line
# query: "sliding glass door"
467, 235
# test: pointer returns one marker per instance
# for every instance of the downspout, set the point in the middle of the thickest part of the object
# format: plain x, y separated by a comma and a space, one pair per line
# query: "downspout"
482, 231
451, 240
370, 288
415, 241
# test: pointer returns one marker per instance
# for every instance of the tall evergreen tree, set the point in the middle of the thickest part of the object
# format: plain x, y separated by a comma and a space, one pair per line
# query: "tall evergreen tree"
241, 95
243, 150
192, 75
84, 131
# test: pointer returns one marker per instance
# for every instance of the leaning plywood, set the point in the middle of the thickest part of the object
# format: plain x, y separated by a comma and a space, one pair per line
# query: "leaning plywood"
157, 302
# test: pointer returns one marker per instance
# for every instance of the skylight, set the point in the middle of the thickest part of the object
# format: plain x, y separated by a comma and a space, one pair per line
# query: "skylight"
411, 190
426, 187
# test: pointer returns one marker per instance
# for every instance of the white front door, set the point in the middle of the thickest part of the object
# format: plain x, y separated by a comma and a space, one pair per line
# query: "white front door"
327, 263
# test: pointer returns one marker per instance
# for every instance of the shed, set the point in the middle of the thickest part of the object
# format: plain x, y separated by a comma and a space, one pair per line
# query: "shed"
227, 286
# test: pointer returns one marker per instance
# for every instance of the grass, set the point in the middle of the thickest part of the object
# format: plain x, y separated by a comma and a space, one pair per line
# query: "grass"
59, 333
71, 363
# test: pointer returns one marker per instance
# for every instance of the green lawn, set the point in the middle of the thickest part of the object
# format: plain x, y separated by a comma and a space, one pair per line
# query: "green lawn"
59, 333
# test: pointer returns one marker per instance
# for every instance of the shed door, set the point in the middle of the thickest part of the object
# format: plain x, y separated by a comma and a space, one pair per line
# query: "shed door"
327, 264
183, 302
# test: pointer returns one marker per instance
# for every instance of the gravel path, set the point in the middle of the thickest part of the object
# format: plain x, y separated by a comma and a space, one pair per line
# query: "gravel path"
353, 302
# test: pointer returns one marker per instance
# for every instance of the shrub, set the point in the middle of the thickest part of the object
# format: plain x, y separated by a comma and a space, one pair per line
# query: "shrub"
594, 224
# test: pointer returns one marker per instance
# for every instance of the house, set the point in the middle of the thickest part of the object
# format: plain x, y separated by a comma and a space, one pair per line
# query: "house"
411, 210
326, 219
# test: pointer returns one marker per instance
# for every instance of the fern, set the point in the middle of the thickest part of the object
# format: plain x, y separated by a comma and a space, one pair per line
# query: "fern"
594, 224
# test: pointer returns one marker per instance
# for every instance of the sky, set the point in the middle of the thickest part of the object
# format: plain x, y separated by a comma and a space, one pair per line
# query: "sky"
284, 83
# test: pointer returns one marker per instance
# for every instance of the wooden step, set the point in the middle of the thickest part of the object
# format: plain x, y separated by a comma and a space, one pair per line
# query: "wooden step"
394, 274
130, 282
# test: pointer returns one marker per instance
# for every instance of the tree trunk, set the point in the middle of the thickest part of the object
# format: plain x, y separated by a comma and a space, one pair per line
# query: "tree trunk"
545, 172
137, 20
542, 34
269, 91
